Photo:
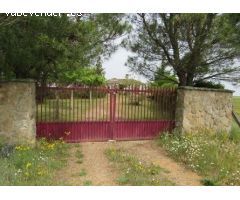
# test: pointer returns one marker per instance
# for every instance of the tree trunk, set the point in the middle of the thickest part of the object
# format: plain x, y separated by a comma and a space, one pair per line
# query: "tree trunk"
182, 79
190, 79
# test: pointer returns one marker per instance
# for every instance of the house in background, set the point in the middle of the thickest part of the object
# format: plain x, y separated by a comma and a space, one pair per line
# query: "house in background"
124, 83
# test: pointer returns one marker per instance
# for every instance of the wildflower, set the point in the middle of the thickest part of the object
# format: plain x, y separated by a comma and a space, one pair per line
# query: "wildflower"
22, 148
67, 132
51, 146
17, 148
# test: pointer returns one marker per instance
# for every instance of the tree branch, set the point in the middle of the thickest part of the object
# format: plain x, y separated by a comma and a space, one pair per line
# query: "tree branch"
158, 42
215, 75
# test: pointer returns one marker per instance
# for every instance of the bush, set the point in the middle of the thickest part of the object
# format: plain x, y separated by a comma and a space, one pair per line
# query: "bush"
214, 156
209, 84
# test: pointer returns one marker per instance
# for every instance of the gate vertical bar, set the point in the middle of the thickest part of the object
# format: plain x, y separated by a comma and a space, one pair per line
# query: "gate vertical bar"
112, 112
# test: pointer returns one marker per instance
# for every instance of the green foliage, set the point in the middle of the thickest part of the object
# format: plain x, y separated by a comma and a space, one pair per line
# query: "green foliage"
27, 165
164, 78
135, 172
193, 47
208, 182
85, 76
214, 156
236, 105
32, 46
124, 83
235, 133
55, 48
209, 84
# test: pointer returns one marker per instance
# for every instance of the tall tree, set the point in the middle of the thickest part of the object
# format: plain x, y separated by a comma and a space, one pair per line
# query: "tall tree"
48, 48
191, 46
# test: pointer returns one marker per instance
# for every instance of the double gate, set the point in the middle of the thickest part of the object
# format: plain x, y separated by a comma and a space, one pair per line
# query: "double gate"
78, 114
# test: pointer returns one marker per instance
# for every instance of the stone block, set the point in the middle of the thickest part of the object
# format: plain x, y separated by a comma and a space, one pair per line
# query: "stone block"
203, 109
18, 108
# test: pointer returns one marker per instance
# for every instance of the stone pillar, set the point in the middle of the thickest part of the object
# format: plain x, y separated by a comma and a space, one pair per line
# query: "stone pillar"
202, 109
17, 111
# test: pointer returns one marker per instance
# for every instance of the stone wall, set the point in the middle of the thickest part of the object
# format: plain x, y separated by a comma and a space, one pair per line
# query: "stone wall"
17, 111
200, 109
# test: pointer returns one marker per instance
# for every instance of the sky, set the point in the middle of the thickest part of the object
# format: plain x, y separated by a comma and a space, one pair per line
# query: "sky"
115, 68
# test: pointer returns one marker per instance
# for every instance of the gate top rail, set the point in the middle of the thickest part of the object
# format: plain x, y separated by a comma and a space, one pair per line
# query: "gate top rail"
131, 88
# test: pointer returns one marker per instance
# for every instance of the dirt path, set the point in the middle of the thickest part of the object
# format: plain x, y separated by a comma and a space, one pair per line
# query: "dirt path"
69, 174
99, 171
148, 151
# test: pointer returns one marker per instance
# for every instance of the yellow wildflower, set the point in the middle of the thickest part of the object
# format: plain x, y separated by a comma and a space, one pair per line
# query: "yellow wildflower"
18, 148
51, 146
22, 148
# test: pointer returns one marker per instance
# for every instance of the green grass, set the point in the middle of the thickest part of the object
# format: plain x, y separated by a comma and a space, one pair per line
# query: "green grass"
135, 172
236, 109
99, 109
82, 172
79, 155
145, 109
26, 165
79, 111
236, 105
87, 183
216, 157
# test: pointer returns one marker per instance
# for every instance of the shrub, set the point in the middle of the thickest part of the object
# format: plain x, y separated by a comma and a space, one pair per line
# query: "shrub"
209, 84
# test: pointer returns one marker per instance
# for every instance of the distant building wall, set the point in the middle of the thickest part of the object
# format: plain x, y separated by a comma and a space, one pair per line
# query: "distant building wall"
201, 109
17, 111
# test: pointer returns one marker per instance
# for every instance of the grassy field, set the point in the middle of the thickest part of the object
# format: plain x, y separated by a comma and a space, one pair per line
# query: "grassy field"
216, 157
134, 107
27, 165
236, 109
127, 108
236, 105
79, 110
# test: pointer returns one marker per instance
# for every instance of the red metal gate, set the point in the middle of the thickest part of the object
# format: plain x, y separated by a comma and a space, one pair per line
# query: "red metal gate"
101, 113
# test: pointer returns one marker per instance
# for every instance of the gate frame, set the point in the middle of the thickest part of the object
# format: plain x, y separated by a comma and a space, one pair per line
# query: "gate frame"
113, 129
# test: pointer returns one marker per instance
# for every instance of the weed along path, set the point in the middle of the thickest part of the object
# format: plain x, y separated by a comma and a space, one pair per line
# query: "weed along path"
150, 152
88, 165
108, 164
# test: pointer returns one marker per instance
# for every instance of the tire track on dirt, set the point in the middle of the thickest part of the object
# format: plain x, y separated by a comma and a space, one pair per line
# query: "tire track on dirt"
99, 169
